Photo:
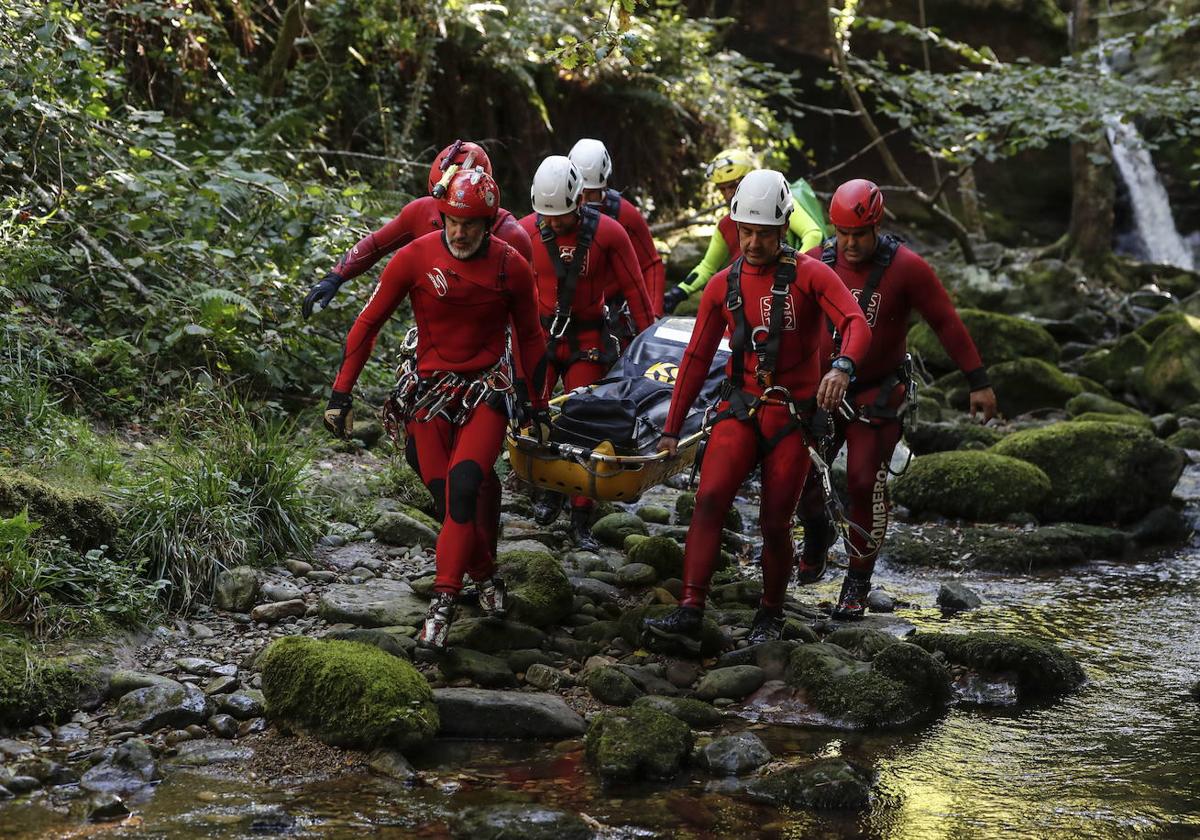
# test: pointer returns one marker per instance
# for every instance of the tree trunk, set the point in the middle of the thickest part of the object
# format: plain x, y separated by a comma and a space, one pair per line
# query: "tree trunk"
276, 69
1093, 189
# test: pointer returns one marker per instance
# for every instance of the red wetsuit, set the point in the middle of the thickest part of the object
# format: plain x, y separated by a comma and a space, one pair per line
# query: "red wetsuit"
419, 217
654, 273
611, 267
461, 308
734, 446
727, 227
908, 284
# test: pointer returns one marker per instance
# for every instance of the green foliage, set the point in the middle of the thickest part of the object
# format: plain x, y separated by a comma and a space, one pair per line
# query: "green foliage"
234, 494
33, 688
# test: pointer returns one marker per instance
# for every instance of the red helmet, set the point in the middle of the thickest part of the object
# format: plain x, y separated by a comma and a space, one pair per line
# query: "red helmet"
462, 153
855, 204
470, 195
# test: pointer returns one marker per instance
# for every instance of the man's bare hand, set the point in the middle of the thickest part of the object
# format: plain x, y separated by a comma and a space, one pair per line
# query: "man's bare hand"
668, 444
832, 389
983, 403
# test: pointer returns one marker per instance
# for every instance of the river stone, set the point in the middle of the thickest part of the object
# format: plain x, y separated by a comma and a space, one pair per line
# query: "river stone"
661, 553
490, 635
520, 661
397, 528
129, 769
197, 665
595, 590
861, 642
954, 597
376, 603
244, 705
879, 601
106, 807
614, 528
624, 745
223, 726
649, 678
636, 575
517, 821
10, 748
209, 751
221, 685
610, 686
825, 783
280, 590
480, 668
654, 514
734, 682
695, 713
388, 642
1044, 671
271, 613
236, 589
547, 677
734, 755
539, 591
163, 705
505, 715
926, 437
393, 764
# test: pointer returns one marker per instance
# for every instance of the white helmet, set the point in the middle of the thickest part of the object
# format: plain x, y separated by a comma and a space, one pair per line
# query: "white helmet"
763, 198
593, 161
556, 186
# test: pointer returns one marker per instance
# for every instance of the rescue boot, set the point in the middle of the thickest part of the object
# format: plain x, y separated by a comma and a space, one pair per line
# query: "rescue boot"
678, 629
581, 530
547, 507
767, 626
436, 629
852, 603
493, 596
819, 535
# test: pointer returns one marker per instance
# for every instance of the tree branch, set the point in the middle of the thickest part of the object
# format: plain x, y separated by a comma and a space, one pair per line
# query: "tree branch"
702, 216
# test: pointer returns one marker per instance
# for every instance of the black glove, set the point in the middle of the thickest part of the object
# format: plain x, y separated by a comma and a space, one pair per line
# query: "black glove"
672, 297
339, 415
323, 292
541, 425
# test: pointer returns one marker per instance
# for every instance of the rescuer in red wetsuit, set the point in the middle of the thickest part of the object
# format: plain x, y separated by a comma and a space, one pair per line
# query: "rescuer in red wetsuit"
572, 290
466, 287
774, 301
419, 217
595, 165
889, 280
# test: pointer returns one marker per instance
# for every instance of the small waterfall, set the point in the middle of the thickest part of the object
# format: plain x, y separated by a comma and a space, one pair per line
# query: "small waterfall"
1152, 216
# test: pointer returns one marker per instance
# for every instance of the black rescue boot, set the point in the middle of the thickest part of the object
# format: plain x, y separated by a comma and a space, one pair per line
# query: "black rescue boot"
766, 627
581, 530
547, 507
678, 629
852, 603
819, 535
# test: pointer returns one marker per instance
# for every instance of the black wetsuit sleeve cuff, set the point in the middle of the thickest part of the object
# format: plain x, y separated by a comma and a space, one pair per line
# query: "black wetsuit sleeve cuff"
977, 379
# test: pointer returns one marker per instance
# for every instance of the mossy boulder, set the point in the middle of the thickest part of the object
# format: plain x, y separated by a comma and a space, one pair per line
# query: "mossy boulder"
1185, 438
347, 694
1088, 403
641, 742
1004, 549
1099, 472
825, 783
1113, 365
925, 438
654, 514
33, 688
630, 624
614, 528
901, 685
663, 554
1159, 324
407, 527
610, 686
695, 713
861, 642
538, 588
979, 486
1026, 385
999, 338
84, 520
1043, 670
1138, 421
1171, 375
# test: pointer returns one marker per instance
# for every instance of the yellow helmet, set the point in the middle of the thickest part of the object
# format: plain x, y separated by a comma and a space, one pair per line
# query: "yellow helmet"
729, 165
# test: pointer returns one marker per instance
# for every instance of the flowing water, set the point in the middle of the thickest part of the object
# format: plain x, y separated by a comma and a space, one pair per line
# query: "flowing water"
1118, 758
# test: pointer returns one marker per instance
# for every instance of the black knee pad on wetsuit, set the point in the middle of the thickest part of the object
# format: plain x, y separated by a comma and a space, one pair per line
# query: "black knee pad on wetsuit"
465, 480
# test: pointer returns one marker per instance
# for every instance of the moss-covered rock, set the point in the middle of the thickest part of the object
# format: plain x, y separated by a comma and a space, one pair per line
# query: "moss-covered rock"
861, 642
407, 527
1159, 324
84, 520
825, 783
1004, 549
663, 554
654, 514
1099, 472
630, 624
695, 713
899, 687
520, 821
1029, 384
1171, 375
635, 743
538, 588
925, 438
1113, 365
979, 486
1138, 421
1185, 438
1088, 403
33, 688
999, 338
347, 694
1043, 669
614, 528
610, 686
